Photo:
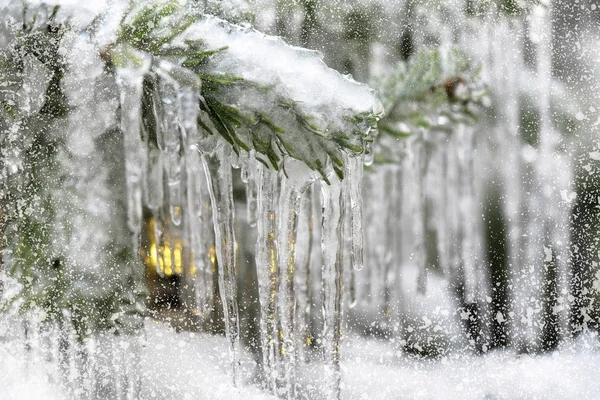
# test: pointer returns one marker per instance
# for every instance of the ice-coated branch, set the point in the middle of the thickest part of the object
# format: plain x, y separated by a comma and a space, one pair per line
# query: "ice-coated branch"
434, 91
257, 92
141, 110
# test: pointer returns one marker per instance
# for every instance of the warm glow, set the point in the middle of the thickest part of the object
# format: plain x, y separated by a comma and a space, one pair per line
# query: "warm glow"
167, 259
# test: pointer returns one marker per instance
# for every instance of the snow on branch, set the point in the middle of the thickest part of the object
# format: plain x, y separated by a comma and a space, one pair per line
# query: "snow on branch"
256, 91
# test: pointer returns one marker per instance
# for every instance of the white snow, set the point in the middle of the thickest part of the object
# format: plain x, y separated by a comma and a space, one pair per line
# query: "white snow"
173, 366
266, 59
195, 366
567, 374
595, 155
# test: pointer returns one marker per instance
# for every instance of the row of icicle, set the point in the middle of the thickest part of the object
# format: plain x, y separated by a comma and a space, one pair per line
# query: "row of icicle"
439, 193
303, 224
194, 170
437, 186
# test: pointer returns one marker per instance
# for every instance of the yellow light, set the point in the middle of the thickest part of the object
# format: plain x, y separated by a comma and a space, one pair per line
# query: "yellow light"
212, 255
192, 266
166, 259
177, 257
153, 259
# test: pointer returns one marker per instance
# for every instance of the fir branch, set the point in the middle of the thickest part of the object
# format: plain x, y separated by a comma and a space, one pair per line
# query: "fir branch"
141, 30
430, 85
433, 86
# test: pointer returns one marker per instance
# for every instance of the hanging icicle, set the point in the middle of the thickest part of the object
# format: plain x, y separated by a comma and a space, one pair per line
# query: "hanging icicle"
291, 190
130, 82
249, 177
353, 172
219, 177
267, 272
302, 280
332, 243
420, 167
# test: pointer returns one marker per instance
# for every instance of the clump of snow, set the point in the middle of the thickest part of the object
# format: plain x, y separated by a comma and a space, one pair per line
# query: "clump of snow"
268, 60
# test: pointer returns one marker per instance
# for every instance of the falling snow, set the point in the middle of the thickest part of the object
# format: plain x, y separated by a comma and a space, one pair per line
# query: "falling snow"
269, 199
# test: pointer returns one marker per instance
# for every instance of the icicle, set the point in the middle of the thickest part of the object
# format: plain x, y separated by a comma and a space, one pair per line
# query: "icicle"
443, 206
332, 243
370, 241
388, 259
353, 172
169, 92
291, 190
397, 221
546, 181
452, 207
267, 272
302, 274
204, 256
288, 222
467, 205
419, 222
199, 219
130, 83
249, 177
220, 182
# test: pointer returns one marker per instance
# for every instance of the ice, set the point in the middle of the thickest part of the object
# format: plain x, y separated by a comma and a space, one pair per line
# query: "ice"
332, 244
219, 179
354, 169
268, 272
423, 263
130, 83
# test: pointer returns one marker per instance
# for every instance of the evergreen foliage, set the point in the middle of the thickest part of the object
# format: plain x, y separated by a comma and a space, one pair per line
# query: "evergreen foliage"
435, 90
149, 38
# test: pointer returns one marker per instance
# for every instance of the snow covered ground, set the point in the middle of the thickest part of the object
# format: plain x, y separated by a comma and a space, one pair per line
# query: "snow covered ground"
372, 371
173, 367
194, 366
